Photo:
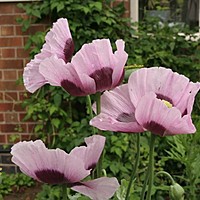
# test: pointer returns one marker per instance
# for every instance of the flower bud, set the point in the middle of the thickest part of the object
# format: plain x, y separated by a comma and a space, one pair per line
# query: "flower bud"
176, 192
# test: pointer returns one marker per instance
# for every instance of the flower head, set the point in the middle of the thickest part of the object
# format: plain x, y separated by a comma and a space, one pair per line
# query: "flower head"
54, 166
94, 68
58, 41
155, 99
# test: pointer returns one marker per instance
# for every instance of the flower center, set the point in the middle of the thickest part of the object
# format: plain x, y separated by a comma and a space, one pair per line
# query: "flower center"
167, 103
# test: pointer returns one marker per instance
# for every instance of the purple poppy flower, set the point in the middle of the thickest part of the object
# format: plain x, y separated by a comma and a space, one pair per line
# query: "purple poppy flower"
58, 41
155, 99
94, 68
54, 166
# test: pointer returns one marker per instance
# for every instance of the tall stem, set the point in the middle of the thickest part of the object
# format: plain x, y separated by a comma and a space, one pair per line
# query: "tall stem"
98, 110
98, 103
134, 171
151, 166
64, 192
90, 111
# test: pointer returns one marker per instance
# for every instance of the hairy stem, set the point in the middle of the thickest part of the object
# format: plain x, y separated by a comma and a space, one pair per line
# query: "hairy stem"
135, 167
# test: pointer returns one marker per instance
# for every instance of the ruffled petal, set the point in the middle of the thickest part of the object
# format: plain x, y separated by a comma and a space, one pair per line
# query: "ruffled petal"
163, 82
54, 70
117, 112
58, 73
186, 102
90, 154
33, 80
155, 116
121, 58
98, 189
97, 60
107, 123
51, 166
59, 40
58, 43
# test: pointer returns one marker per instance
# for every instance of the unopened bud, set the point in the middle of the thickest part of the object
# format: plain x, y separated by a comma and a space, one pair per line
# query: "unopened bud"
176, 192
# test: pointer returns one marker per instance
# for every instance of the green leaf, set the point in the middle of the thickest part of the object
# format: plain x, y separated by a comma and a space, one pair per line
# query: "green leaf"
55, 122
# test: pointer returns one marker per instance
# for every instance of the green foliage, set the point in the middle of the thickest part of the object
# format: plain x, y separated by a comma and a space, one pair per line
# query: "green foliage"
10, 182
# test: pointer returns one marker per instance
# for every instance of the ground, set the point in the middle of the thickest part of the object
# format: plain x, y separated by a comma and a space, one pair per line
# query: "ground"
24, 193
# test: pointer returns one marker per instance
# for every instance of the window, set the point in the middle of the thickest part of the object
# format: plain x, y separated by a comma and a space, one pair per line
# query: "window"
175, 11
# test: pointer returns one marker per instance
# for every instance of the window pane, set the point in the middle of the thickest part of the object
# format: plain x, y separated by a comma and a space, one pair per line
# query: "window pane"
182, 11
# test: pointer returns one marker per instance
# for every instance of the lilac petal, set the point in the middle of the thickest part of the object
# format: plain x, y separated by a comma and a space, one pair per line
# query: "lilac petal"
97, 60
121, 58
90, 154
59, 40
93, 56
117, 112
98, 189
155, 116
66, 76
166, 84
44, 165
186, 102
33, 80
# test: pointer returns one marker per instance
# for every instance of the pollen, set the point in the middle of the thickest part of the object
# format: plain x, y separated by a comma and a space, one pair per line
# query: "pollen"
167, 103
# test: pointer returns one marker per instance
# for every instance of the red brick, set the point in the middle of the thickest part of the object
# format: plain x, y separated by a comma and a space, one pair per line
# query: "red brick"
7, 30
20, 73
8, 19
8, 53
1, 75
11, 41
1, 117
31, 128
6, 128
6, 8
26, 137
11, 96
11, 64
1, 96
18, 10
22, 53
6, 106
10, 85
18, 107
11, 117
2, 139
10, 75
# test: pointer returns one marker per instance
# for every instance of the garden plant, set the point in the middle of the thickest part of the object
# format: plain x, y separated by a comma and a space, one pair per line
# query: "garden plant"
132, 106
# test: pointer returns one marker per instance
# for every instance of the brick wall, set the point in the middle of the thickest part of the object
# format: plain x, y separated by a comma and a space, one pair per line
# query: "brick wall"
13, 58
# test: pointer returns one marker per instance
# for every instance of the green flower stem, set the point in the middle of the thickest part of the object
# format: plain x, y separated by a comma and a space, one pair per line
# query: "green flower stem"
64, 192
98, 110
134, 171
98, 103
90, 110
167, 174
151, 166
145, 184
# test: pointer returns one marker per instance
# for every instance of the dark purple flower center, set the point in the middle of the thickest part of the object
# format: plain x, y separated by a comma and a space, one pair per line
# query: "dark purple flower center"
126, 117
73, 89
155, 128
68, 49
102, 78
51, 176
163, 97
